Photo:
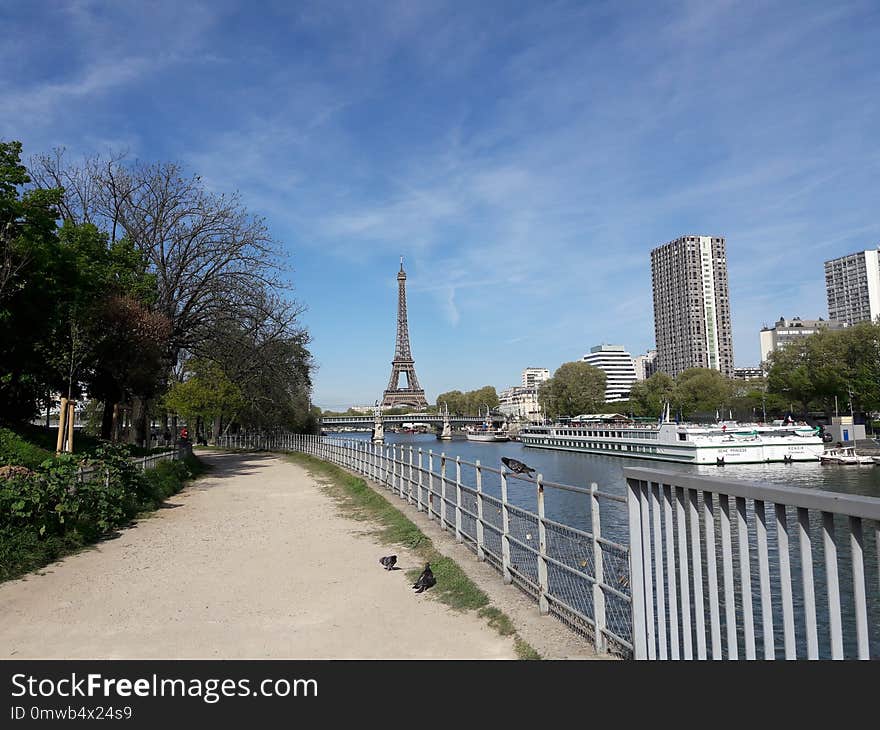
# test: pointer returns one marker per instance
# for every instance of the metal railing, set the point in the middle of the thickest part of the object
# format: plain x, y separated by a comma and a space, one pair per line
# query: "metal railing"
577, 575
142, 462
720, 568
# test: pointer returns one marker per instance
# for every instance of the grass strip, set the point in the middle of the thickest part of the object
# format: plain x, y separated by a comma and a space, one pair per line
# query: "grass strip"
358, 501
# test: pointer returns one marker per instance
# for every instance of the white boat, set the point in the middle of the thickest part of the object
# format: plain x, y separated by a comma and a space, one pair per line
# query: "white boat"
487, 434
847, 455
719, 444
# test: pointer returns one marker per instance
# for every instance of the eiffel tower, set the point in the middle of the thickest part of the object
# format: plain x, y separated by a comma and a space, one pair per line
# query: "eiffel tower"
403, 363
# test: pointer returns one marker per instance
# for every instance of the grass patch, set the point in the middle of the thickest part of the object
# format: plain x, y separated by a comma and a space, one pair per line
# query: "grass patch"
357, 500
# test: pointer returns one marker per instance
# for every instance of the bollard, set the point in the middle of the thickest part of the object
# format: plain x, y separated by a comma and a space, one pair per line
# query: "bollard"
543, 585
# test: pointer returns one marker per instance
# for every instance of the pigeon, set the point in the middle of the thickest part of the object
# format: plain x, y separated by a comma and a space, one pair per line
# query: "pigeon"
517, 467
388, 562
426, 579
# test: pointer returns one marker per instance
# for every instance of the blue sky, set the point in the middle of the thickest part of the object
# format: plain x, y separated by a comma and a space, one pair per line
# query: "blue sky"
523, 157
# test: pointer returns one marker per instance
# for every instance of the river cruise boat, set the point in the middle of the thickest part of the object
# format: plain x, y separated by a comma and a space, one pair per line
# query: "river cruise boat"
716, 444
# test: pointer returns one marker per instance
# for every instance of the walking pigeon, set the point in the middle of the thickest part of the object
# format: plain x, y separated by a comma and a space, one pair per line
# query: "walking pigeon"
426, 579
388, 562
517, 466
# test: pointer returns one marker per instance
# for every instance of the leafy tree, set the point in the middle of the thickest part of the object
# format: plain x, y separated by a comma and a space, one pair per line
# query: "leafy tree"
206, 394
702, 391
575, 388
649, 397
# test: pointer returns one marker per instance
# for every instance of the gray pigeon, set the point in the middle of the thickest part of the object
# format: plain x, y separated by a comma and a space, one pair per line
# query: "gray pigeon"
388, 562
517, 466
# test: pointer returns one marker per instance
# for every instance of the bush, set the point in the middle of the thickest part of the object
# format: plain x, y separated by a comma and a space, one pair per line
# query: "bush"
50, 512
16, 450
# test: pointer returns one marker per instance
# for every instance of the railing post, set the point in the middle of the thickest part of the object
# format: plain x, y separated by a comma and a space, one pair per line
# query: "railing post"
598, 574
419, 506
458, 537
481, 552
430, 484
409, 490
393, 465
505, 531
636, 575
443, 522
543, 583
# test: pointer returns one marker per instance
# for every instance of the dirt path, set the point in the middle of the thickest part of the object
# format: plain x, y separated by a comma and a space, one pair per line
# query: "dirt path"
251, 561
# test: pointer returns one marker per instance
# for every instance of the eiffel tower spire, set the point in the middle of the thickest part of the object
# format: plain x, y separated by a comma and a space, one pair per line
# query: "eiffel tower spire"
412, 394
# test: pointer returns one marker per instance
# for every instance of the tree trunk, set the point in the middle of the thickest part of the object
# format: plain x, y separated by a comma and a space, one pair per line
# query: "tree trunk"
107, 420
139, 411
215, 431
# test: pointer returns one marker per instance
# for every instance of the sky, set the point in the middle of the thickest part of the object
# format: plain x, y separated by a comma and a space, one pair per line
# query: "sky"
523, 157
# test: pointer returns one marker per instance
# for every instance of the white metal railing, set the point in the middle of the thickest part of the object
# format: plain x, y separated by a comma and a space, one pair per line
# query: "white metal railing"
577, 575
142, 462
720, 568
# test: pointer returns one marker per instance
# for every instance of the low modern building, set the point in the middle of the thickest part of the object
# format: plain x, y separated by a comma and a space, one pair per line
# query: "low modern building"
617, 364
748, 373
853, 286
533, 377
786, 331
645, 365
520, 402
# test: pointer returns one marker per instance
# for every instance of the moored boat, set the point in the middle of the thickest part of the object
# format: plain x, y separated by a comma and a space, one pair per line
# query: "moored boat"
719, 444
847, 455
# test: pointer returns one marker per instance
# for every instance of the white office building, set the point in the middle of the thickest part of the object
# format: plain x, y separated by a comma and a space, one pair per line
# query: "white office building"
853, 286
520, 403
645, 365
533, 377
786, 331
617, 364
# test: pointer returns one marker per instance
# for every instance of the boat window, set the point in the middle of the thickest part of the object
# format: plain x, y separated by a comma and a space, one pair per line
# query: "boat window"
682, 437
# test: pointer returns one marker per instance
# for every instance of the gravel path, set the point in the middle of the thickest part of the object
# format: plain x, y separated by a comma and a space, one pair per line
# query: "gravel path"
250, 561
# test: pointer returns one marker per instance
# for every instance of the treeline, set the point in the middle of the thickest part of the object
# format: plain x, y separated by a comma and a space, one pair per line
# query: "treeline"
133, 284
830, 371
470, 402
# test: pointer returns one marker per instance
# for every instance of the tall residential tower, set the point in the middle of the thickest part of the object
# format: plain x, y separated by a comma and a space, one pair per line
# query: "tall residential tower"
692, 305
617, 364
853, 286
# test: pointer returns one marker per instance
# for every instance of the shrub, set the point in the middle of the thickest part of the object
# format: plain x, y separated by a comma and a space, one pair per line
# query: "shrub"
16, 450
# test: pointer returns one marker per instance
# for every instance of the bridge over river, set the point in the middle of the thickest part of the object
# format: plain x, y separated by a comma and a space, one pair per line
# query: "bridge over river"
334, 423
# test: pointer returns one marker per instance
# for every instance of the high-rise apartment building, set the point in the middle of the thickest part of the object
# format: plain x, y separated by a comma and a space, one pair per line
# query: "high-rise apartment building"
692, 305
533, 377
853, 286
617, 364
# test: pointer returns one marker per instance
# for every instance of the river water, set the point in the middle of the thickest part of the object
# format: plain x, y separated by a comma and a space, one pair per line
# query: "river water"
581, 470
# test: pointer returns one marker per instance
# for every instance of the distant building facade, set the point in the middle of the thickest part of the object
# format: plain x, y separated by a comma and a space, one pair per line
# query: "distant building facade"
520, 402
645, 365
533, 377
853, 287
617, 364
786, 331
692, 305
748, 373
